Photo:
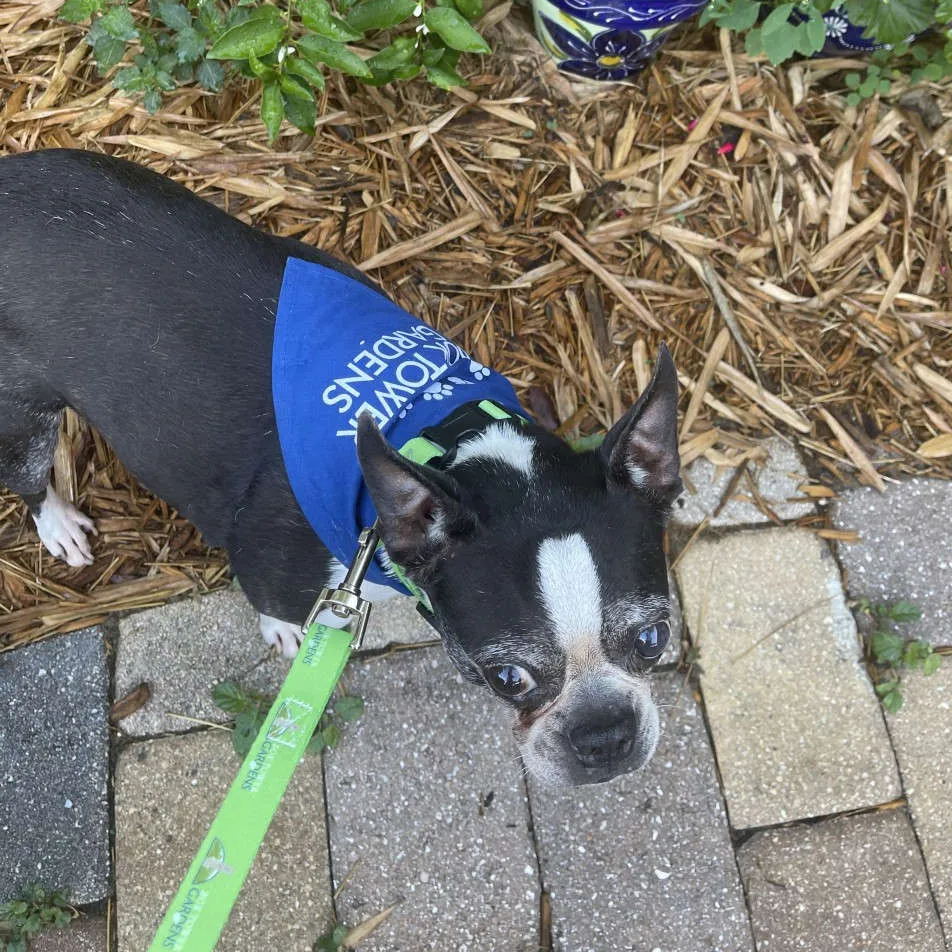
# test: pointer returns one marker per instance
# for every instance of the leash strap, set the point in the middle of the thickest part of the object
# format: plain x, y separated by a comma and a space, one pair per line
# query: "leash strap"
201, 906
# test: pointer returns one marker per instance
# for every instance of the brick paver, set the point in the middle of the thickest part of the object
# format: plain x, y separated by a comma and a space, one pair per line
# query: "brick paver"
796, 725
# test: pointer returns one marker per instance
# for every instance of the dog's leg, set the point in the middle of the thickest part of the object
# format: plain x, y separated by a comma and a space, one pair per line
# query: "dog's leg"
283, 635
62, 529
28, 435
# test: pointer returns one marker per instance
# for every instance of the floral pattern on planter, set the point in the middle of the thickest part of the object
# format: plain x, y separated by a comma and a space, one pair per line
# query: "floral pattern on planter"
611, 54
632, 14
842, 36
607, 39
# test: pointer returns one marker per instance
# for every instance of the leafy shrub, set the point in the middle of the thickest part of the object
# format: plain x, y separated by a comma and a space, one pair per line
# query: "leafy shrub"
781, 31
286, 48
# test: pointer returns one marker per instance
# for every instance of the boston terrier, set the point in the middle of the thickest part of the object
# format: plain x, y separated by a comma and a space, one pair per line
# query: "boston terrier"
249, 380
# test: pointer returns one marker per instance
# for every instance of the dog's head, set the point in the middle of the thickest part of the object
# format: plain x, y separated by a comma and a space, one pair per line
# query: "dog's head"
546, 574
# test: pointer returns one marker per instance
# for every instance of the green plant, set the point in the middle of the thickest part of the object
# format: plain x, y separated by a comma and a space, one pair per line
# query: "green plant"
331, 941
250, 708
893, 654
285, 48
35, 910
781, 31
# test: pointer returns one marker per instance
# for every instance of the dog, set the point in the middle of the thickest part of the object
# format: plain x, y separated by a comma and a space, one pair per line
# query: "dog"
156, 316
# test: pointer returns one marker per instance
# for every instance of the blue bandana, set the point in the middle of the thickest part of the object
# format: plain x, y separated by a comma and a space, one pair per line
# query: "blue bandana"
342, 349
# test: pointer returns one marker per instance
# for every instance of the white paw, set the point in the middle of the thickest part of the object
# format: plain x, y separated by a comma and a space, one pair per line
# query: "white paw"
281, 634
62, 529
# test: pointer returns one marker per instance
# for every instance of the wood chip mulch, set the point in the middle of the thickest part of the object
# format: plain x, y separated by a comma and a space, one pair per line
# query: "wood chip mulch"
559, 231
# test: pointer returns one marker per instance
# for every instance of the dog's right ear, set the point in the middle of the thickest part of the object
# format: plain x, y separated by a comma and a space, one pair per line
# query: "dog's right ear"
419, 509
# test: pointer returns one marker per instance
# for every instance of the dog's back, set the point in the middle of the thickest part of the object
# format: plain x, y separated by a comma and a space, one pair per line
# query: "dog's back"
149, 311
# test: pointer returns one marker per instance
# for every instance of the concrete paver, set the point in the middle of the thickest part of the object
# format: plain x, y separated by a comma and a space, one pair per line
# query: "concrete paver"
922, 736
849, 884
904, 551
777, 478
54, 762
428, 811
796, 724
184, 648
167, 792
81, 935
645, 863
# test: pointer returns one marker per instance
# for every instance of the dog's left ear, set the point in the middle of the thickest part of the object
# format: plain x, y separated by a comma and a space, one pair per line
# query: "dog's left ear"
419, 509
641, 449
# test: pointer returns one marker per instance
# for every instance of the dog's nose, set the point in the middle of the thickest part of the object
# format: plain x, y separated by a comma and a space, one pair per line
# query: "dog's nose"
604, 739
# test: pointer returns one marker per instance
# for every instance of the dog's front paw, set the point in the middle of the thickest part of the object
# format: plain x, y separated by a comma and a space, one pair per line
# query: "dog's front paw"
281, 634
62, 529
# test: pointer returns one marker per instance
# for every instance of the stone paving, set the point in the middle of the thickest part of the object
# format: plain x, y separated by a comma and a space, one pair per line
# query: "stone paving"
782, 810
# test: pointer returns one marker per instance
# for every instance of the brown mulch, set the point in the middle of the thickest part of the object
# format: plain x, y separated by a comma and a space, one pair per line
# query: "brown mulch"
560, 232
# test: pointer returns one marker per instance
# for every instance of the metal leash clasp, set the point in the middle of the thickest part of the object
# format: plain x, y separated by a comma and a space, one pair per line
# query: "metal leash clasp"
345, 601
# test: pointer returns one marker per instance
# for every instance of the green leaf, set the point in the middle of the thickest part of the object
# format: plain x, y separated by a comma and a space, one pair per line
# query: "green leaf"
886, 647
399, 52
264, 71
210, 75
378, 77
16, 944
107, 50
813, 34
379, 14
349, 707
76, 11
294, 89
118, 23
316, 744
129, 80
272, 109
470, 8
742, 15
452, 28
332, 735
893, 701
189, 45
331, 941
317, 16
886, 687
173, 15
336, 55
259, 35
904, 612
891, 21
245, 731
852, 81
152, 101
931, 664
444, 76
307, 71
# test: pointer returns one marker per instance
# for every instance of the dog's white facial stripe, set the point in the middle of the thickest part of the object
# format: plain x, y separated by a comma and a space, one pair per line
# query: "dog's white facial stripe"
502, 444
571, 593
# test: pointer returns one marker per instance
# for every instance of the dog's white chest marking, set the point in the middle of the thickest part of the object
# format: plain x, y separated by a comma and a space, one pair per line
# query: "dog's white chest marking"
502, 444
571, 594
62, 529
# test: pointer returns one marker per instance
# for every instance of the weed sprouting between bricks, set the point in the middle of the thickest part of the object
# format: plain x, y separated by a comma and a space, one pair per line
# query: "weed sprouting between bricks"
892, 654
250, 708
35, 910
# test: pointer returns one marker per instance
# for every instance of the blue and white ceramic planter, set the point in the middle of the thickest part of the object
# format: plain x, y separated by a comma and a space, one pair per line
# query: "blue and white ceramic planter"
608, 39
842, 36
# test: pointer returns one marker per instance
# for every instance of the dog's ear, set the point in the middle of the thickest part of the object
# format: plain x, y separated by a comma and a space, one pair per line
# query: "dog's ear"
419, 509
641, 449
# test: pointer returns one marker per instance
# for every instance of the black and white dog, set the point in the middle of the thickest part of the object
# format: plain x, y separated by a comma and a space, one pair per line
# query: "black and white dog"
152, 313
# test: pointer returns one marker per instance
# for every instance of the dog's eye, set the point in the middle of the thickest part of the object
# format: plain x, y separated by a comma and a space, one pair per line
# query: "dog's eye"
651, 641
509, 680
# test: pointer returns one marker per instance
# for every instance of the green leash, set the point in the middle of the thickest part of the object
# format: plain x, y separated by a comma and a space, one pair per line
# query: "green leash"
201, 906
